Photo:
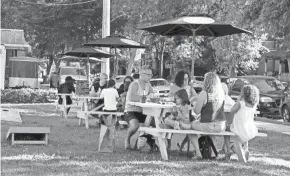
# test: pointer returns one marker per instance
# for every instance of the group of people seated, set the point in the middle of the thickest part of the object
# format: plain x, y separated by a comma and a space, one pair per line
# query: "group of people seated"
206, 108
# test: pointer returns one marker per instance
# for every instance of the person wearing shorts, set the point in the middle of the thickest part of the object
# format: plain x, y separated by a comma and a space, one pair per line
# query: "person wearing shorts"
136, 90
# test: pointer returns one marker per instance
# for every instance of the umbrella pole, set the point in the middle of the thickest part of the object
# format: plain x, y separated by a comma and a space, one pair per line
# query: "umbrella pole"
116, 61
193, 52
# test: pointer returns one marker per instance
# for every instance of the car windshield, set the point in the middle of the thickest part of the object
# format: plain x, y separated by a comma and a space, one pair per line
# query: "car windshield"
72, 71
155, 83
199, 78
267, 85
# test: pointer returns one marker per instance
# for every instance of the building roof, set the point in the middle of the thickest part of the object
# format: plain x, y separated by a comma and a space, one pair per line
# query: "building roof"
14, 39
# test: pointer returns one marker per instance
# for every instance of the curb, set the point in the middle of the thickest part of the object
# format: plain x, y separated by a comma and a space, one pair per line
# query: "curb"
27, 104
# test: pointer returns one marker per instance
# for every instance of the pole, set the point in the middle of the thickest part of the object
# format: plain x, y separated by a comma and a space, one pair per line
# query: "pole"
106, 32
117, 62
193, 52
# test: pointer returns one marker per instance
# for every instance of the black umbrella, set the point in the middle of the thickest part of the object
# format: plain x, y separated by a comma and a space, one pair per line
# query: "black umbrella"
116, 41
88, 52
193, 26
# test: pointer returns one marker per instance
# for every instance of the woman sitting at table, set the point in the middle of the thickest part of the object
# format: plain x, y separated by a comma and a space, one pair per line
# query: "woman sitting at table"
97, 88
210, 106
122, 86
181, 81
180, 113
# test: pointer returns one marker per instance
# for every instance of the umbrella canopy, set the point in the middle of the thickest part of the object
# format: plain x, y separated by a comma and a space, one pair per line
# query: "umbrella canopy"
202, 26
116, 42
77, 59
88, 52
192, 26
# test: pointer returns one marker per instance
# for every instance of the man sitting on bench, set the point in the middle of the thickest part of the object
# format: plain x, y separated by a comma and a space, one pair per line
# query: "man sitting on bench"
137, 89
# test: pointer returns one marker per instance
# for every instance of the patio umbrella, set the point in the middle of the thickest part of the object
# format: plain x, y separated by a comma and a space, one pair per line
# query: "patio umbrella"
88, 52
193, 26
115, 41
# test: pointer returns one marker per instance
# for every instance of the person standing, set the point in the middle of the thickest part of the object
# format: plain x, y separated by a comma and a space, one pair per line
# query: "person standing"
66, 88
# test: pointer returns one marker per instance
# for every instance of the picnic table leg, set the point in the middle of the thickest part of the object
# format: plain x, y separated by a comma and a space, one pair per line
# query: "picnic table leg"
12, 139
86, 115
107, 135
240, 151
162, 146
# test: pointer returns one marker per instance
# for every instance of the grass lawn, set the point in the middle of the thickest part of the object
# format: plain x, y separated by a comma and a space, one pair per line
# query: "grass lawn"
72, 150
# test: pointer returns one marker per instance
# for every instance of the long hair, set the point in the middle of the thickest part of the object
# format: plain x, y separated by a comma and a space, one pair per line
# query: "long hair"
212, 84
250, 94
179, 78
182, 94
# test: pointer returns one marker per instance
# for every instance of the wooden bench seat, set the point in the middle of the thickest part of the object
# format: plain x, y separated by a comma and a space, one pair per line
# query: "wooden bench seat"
161, 137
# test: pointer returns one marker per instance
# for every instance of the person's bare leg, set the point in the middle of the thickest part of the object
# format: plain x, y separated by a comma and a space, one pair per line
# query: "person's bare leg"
194, 140
133, 127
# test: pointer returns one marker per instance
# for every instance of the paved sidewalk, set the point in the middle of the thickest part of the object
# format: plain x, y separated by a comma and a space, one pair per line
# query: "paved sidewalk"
273, 127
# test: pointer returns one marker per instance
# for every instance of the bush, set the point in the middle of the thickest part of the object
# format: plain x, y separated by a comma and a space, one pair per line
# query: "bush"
26, 95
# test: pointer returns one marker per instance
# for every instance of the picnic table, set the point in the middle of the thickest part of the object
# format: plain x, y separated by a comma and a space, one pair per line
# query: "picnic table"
158, 110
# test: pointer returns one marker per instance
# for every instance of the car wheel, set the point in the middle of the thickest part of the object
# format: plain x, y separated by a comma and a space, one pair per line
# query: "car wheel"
286, 114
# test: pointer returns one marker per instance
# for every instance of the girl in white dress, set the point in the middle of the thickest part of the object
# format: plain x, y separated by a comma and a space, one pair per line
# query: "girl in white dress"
243, 122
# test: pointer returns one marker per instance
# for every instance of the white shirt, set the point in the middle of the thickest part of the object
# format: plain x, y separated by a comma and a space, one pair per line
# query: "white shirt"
110, 96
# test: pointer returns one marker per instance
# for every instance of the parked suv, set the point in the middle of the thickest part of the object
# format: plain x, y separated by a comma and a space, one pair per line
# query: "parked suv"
270, 93
285, 104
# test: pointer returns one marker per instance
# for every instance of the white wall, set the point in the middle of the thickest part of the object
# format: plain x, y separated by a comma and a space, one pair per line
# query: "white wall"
2, 65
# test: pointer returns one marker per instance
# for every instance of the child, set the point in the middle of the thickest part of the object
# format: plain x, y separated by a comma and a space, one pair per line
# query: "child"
123, 96
111, 97
243, 122
179, 118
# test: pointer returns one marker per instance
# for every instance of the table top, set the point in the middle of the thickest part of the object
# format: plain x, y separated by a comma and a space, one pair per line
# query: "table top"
87, 97
152, 105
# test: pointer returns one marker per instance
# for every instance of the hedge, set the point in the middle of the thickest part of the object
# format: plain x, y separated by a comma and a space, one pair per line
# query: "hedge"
26, 95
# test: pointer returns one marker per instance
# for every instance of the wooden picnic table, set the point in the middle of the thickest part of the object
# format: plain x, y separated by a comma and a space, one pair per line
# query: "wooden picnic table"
156, 110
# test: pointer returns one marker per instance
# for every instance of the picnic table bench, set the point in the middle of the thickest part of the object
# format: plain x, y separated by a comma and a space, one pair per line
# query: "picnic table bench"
161, 137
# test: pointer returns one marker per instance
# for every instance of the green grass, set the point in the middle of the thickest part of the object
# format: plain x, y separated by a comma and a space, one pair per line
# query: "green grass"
72, 150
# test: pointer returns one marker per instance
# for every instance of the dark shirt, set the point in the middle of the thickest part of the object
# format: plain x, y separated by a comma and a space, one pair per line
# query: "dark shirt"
66, 88
212, 111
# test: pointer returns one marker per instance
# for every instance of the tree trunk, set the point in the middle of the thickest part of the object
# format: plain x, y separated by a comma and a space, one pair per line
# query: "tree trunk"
161, 57
133, 54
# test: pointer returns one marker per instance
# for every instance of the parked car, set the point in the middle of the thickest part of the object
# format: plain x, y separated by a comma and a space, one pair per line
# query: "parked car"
160, 86
285, 104
270, 93
58, 77
119, 80
197, 83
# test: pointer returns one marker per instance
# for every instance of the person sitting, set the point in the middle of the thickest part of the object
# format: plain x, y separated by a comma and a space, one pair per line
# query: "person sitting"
180, 113
96, 89
121, 88
210, 106
66, 88
243, 120
124, 95
181, 81
110, 96
136, 90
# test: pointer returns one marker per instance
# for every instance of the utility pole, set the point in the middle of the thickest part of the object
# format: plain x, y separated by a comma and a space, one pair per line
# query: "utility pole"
106, 32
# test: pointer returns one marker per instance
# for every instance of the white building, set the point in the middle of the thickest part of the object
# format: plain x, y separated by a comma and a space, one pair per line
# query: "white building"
13, 44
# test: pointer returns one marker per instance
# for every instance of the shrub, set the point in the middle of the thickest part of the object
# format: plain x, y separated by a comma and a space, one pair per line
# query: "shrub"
26, 95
